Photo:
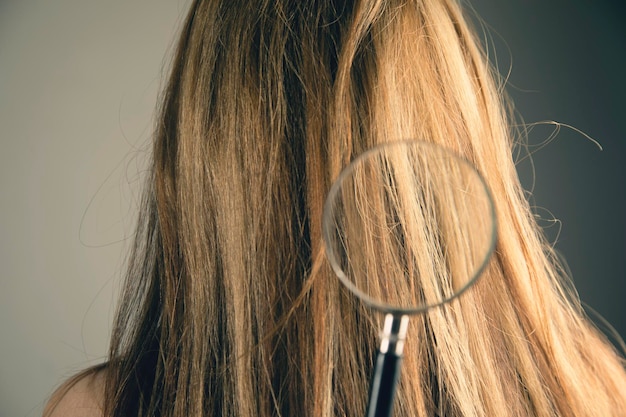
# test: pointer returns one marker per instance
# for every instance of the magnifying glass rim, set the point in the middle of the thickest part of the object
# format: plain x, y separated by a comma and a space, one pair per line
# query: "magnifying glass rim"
327, 230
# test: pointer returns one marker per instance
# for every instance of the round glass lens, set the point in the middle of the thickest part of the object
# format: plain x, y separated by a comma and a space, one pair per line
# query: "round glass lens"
408, 226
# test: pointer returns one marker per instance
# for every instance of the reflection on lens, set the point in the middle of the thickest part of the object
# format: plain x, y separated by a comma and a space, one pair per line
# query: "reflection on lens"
408, 225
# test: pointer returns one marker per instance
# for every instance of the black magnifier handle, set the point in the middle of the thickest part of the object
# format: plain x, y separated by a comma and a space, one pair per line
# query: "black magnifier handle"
387, 366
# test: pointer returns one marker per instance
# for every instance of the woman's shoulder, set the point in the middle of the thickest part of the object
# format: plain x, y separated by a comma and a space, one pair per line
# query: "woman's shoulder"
80, 396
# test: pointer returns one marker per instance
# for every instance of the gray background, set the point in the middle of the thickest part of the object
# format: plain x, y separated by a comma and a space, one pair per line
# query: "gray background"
569, 65
78, 84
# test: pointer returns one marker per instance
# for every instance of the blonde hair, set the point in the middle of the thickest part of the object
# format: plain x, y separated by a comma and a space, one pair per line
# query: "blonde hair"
230, 306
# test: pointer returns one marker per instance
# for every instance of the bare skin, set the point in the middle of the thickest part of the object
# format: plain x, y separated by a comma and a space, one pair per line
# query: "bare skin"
84, 398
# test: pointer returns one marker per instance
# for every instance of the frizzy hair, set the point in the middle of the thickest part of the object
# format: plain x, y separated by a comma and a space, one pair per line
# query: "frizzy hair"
230, 307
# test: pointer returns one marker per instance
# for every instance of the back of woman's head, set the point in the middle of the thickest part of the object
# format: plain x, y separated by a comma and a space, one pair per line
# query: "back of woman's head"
230, 307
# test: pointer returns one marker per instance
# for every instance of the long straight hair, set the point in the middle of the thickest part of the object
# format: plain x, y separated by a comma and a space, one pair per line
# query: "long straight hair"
230, 307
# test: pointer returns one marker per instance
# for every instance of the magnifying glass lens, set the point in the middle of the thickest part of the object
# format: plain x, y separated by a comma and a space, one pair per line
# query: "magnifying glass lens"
408, 226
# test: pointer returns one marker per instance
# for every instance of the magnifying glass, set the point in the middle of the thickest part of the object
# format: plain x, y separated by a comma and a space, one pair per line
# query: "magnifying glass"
408, 226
